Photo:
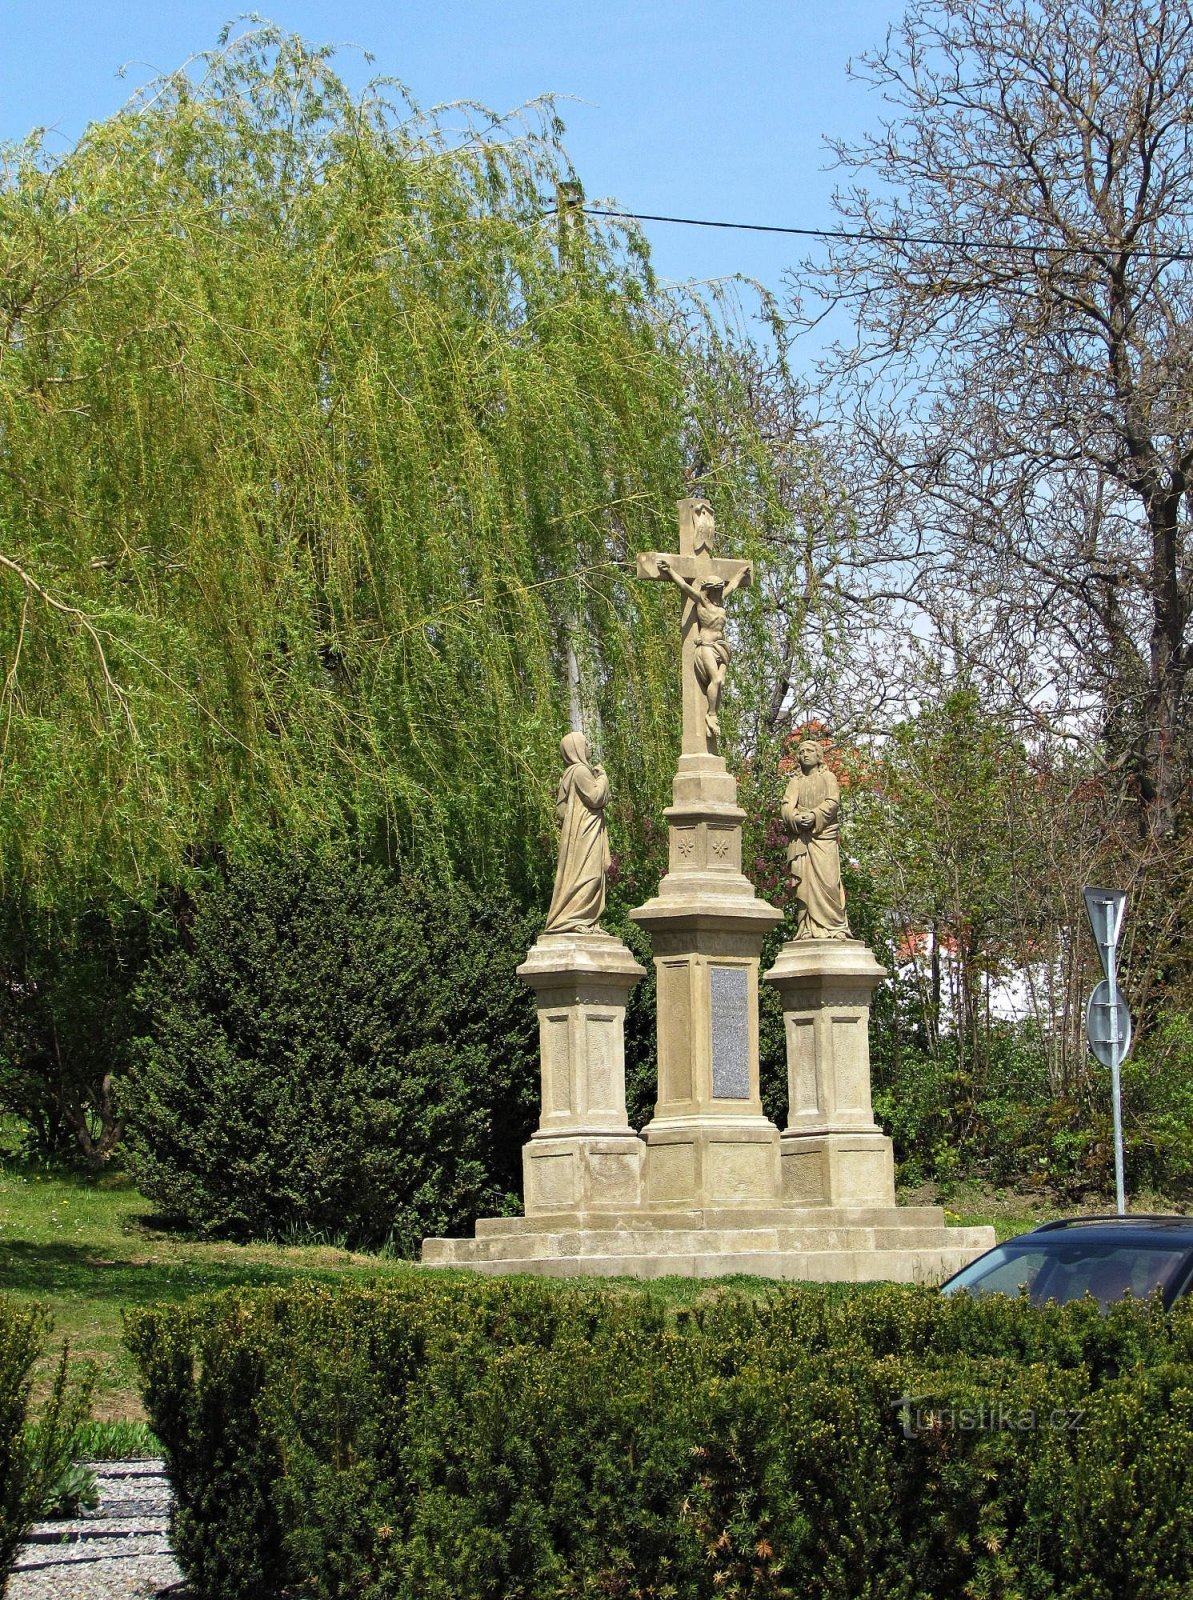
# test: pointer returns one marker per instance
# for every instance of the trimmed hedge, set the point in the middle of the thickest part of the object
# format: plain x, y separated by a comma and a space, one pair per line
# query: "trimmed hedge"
453, 1440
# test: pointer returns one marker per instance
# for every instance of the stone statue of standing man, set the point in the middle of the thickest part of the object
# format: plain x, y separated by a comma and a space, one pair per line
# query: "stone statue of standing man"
579, 899
812, 813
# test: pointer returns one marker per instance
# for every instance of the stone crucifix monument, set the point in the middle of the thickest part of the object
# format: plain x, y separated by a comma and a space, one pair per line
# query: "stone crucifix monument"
709, 1186
709, 1143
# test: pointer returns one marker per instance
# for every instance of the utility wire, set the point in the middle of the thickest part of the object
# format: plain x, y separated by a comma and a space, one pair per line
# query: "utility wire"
869, 236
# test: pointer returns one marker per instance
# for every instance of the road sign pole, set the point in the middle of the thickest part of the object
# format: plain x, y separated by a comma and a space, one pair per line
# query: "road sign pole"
1116, 1090
1109, 1043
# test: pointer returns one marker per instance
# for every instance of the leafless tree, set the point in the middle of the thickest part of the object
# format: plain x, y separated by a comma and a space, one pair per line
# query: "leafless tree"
1020, 390
834, 653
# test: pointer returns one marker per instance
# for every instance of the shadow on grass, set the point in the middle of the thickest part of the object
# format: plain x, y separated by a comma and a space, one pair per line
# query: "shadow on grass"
162, 1224
55, 1270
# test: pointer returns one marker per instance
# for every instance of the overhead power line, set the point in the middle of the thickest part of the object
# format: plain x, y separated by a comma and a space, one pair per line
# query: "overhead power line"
873, 236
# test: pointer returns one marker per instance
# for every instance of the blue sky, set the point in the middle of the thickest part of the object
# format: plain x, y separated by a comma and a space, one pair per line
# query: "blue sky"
685, 107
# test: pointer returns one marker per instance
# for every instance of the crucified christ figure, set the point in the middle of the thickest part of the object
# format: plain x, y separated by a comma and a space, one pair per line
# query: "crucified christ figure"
712, 647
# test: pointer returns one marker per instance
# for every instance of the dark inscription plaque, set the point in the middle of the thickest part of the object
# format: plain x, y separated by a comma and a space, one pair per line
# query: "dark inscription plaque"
730, 1033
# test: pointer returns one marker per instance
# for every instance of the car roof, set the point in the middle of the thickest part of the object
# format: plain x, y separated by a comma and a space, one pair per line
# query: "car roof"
1159, 1230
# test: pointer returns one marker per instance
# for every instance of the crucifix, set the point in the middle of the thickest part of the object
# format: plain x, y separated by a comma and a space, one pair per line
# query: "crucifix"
705, 583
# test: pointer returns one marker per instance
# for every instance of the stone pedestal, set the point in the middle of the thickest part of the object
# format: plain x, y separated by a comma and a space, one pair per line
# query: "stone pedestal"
600, 1202
584, 1155
709, 1143
833, 1152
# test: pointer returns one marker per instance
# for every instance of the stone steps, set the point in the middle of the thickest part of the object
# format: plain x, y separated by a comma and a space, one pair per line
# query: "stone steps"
635, 1241
824, 1266
909, 1247
813, 1219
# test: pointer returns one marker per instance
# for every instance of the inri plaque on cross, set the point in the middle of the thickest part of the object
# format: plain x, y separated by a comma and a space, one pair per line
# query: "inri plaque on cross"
705, 583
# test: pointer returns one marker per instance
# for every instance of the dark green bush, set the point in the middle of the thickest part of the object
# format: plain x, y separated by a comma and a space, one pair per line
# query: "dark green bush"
35, 1456
336, 1053
67, 1018
453, 1440
1000, 1120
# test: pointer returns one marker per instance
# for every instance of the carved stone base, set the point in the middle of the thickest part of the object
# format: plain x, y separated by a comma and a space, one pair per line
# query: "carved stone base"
584, 1172
834, 1154
584, 1155
727, 1162
837, 1169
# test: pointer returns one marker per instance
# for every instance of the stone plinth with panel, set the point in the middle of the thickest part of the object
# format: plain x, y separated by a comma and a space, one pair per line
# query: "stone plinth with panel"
833, 1152
709, 1143
584, 1156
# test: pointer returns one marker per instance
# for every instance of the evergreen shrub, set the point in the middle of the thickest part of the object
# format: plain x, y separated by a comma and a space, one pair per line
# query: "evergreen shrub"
1000, 1120
450, 1437
336, 1053
67, 980
1158, 1106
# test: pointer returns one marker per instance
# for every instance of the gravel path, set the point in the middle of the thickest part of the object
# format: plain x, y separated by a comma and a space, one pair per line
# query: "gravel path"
119, 1551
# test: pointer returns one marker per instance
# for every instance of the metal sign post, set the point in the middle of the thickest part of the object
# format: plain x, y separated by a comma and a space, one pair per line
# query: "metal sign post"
1107, 1019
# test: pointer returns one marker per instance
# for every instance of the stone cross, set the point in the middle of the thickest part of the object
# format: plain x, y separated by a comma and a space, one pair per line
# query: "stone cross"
696, 563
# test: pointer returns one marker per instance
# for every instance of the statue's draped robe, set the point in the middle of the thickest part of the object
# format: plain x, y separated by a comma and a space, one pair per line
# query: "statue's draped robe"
579, 897
710, 622
814, 855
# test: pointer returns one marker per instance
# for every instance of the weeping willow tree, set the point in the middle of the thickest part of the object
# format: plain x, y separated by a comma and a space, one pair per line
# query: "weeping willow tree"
324, 452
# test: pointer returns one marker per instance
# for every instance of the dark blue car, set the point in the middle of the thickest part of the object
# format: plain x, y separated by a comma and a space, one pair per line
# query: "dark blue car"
1105, 1257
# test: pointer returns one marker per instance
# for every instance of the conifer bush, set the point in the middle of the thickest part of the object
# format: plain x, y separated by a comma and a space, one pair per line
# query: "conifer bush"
66, 1019
455, 1437
336, 1053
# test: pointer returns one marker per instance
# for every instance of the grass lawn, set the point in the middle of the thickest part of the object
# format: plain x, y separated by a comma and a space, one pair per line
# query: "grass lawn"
87, 1248
1011, 1212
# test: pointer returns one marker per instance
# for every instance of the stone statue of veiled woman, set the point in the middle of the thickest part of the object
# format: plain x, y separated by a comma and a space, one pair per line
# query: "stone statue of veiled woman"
583, 794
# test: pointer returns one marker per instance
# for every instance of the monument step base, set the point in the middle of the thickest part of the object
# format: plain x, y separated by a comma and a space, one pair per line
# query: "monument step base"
811, 1221
908, 1245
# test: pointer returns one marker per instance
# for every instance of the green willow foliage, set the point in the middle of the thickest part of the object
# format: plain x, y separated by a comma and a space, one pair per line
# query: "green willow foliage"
321, 441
